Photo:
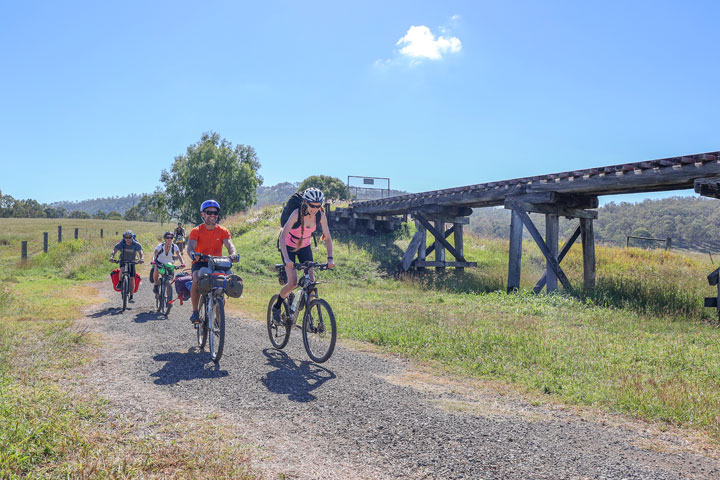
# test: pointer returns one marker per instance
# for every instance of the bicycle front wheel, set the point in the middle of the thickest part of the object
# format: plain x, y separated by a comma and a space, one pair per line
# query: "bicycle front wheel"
202, 328
218, 329
125, 287
279, 334
159, 299
168, 297
319, 330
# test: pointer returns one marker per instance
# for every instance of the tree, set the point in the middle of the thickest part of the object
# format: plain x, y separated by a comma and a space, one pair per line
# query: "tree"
79, 214
212, 169
100, 215
114, 215
332, 187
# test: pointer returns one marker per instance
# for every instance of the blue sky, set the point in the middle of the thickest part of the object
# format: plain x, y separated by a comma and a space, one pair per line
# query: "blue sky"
97, 98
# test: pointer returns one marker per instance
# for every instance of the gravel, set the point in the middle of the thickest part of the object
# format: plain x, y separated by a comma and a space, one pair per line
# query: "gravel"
362, 414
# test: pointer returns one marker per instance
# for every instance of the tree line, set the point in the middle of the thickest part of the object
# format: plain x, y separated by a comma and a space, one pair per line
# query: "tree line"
211, 168
690, 222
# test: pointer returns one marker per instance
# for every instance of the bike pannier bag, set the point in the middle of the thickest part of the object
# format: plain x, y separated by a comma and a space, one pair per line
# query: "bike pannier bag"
138, 280
209, 281
115, 278
234, 286
183, 284
150, 277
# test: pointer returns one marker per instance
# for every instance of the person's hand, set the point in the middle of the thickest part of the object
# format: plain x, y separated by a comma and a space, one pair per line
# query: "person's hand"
112, 260
152, 263
141, 261
289, 264
182, 265
235, 258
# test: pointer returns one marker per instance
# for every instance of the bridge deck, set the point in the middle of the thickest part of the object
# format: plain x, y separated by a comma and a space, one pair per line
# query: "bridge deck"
664, 174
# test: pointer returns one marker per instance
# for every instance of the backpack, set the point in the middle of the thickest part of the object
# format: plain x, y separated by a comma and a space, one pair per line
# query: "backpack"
294, 203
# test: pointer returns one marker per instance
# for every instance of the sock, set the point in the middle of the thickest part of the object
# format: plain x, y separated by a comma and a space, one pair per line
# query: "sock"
279, 301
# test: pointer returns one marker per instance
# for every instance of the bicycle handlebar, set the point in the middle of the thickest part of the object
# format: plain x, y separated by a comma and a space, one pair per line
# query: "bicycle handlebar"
112, 260
305, 266
201, 257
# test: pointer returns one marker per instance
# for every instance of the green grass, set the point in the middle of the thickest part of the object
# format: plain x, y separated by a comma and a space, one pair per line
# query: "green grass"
640, 344
48, 432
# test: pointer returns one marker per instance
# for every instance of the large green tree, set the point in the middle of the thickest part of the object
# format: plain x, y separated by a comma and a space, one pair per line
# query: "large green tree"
212, 168
332, 187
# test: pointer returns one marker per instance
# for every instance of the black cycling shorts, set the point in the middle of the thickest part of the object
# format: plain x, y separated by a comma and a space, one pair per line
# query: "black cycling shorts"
303, 255
198, 265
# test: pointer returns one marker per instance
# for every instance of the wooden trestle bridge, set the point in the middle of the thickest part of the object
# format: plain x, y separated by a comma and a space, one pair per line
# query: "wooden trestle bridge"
571, 194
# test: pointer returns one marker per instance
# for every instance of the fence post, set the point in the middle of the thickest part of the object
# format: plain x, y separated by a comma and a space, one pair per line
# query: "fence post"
76, 233
59, 233
45, 242
23, 251
668, 243
101, 233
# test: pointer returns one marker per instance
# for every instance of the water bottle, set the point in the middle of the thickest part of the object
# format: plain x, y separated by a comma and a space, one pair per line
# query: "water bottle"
295, 303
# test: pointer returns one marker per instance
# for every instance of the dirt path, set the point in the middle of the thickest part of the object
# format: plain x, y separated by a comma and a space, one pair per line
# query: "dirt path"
360, 415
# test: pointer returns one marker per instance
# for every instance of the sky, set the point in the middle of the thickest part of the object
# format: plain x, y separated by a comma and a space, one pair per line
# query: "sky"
97, 98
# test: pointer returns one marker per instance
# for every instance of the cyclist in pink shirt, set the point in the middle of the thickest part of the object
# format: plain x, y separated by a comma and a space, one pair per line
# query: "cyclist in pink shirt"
294, 242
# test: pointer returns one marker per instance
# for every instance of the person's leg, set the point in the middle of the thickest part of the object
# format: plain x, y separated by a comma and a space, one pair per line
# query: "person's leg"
194, 293
155, 279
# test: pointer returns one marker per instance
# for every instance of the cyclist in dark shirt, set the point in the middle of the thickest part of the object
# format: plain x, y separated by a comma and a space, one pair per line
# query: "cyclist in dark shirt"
180, 237
129, 248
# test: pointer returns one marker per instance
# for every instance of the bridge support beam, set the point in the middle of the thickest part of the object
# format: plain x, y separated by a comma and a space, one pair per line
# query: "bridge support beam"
432, 220
574, 207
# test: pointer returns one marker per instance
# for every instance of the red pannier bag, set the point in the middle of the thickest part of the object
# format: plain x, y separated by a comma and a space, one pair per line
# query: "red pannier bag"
115, 278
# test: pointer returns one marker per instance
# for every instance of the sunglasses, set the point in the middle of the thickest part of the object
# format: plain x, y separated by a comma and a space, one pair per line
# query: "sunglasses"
168, 238
211, 212
127, 237
314, 205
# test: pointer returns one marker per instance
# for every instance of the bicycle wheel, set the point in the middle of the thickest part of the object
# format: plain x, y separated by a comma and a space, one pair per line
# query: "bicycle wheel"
125, 287
319, 330
202, 330
279, 334
168, 297
218, 329
157, 302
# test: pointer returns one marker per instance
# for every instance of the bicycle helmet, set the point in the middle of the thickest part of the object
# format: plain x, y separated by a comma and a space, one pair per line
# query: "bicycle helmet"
128, 233
313, 195
209, 203
167, 234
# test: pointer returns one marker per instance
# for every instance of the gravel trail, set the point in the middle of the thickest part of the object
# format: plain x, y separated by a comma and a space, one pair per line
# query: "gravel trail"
361, 414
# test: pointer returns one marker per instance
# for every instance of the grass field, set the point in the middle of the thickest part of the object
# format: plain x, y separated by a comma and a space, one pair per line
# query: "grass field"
641, 343
45, 432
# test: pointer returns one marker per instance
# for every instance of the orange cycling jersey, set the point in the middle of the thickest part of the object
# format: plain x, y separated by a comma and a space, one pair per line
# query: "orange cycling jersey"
209, 242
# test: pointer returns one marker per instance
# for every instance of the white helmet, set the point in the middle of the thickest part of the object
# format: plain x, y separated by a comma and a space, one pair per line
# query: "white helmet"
313, 195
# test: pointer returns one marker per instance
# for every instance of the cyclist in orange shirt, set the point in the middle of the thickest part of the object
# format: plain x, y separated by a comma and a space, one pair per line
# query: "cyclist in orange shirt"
207, 238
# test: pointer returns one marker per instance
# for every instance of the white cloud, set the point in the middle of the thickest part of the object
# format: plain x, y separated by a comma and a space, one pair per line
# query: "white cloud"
420, 42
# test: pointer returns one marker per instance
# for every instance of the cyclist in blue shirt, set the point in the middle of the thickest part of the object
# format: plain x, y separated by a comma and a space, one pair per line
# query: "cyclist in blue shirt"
129, 248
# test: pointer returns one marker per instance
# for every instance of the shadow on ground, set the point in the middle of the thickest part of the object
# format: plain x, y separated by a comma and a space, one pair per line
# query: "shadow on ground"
107, 311
296, 380
190, 365
143, 317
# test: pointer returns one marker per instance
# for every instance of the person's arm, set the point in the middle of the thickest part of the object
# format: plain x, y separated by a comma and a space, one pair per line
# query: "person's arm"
115, 250
230, 247
283, 235
192, 243
142, 254
179, 254
328, 240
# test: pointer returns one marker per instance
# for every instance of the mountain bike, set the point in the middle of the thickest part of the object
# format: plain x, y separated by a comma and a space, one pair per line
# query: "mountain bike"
163, 297
212, 286
125, 282
318, 327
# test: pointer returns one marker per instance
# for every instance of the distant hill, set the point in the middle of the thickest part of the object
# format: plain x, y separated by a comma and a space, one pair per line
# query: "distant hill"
276, 194
105, 205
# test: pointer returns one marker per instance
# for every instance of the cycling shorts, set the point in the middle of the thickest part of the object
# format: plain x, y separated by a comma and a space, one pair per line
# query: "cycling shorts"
305, 254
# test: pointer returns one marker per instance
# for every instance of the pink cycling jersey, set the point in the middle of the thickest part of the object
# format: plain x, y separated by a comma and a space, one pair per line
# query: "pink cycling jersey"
294, 236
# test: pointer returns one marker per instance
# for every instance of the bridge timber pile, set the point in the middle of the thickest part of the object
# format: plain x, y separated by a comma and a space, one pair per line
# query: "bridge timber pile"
572, 194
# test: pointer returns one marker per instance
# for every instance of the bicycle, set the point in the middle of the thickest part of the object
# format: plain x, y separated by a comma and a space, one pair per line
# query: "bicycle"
125, 281
163, 297
212, 289
318, 320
